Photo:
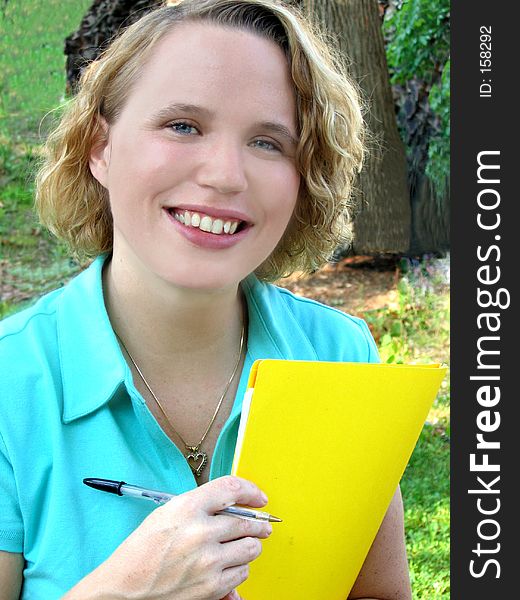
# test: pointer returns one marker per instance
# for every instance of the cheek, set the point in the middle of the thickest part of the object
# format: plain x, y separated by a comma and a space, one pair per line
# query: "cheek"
139, 161
287, 189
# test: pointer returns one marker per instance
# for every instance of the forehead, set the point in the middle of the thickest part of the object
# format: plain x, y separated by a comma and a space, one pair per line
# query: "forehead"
200, 63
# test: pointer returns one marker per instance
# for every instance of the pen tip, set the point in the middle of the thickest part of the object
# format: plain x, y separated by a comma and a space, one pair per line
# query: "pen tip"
274, 519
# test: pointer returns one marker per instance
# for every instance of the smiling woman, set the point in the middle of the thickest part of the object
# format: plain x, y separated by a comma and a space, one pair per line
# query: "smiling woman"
210, 149
228, 164
328, 146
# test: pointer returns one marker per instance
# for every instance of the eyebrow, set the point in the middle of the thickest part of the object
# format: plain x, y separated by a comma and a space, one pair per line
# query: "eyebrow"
270, 126
278, 128
166, 112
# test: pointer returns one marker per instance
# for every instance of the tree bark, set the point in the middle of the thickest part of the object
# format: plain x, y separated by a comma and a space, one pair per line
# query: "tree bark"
382, 224
100, 23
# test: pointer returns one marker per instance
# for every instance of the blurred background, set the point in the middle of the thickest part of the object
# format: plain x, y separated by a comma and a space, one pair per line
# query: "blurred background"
396, 275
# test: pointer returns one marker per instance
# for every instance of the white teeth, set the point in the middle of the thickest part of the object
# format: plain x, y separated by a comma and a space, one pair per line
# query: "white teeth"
206, 223
217, 226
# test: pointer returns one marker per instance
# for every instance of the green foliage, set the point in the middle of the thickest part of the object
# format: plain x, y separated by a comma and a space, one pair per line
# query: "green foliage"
419, 43
416, 326
438, 166
419, 47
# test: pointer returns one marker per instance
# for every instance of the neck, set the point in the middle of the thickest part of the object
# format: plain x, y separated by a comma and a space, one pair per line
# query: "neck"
169, 326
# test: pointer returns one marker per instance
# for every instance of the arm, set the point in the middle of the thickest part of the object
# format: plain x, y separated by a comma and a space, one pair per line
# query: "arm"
11, 568
384, 575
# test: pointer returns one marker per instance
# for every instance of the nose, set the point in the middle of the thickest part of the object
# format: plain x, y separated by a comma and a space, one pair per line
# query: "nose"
223, 168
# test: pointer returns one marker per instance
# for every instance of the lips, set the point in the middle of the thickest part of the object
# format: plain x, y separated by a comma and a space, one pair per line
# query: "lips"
225, 225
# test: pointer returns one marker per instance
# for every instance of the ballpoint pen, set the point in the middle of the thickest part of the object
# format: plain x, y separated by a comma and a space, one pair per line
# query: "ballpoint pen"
121, 488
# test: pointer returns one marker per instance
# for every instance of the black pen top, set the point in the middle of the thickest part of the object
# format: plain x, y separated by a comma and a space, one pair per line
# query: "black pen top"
105, 485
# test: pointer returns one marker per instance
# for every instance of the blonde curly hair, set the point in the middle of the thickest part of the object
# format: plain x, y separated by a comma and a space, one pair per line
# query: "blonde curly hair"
75, 207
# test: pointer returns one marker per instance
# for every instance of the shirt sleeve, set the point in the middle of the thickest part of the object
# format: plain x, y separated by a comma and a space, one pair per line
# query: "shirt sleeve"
11, 523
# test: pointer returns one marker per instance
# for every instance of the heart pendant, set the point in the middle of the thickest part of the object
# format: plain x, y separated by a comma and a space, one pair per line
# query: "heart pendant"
197, 460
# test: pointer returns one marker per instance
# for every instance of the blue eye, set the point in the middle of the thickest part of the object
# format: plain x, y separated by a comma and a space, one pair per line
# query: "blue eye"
183, 128
265, 145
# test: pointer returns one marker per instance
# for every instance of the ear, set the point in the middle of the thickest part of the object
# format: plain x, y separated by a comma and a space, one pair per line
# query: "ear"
99, 160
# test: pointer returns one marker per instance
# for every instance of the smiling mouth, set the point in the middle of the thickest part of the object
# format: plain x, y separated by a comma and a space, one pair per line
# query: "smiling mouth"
206, 223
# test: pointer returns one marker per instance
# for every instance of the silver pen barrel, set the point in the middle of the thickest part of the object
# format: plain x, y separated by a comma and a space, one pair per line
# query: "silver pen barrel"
139, 492
158, 497
246, 513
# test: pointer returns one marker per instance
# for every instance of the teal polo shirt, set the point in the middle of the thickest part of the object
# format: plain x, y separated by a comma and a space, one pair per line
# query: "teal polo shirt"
69, 410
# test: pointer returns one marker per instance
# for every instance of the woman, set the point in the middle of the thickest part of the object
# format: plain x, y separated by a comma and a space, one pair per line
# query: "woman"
210, 150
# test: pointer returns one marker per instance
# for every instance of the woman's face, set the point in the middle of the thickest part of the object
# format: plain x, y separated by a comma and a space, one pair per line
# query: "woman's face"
200, 164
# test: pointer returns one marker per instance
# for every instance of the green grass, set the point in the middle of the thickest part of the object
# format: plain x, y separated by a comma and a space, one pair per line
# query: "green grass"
425, 489
32, 83
415, 329
31, 262
32, 79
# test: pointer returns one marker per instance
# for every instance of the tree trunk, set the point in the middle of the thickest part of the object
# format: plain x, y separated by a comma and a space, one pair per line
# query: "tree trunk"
101, 22
430, 210
383, 222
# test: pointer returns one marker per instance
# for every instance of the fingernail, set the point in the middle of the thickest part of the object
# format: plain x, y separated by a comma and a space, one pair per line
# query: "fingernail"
264, 497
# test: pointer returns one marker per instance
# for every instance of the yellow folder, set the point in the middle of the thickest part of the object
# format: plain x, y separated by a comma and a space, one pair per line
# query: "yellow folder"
328, 442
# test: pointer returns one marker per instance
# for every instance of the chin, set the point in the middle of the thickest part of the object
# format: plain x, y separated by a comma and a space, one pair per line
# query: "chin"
203, 280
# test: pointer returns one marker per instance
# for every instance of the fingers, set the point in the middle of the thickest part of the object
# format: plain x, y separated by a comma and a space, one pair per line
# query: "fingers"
226, 491
184, 545
219, 547
232, 578
234, 554
240, 552
228, 528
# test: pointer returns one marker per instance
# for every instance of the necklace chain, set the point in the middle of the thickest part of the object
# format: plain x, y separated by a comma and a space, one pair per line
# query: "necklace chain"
196, 458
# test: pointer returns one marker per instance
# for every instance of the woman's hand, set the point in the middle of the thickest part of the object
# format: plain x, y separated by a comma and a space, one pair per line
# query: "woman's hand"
183, 550
233, 596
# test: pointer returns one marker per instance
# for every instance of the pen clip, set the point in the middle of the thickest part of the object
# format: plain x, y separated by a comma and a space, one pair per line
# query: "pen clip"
155, 498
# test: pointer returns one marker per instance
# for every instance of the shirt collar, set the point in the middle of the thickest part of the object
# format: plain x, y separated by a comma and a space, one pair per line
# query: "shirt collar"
92, 365
93, 368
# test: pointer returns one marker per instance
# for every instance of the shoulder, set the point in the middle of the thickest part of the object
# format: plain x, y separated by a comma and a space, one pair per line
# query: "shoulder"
38, 328
28, 350
29, 376
333, 334
312, 315
22, 331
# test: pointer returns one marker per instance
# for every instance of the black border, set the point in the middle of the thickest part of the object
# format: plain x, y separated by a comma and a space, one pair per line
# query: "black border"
482, 124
